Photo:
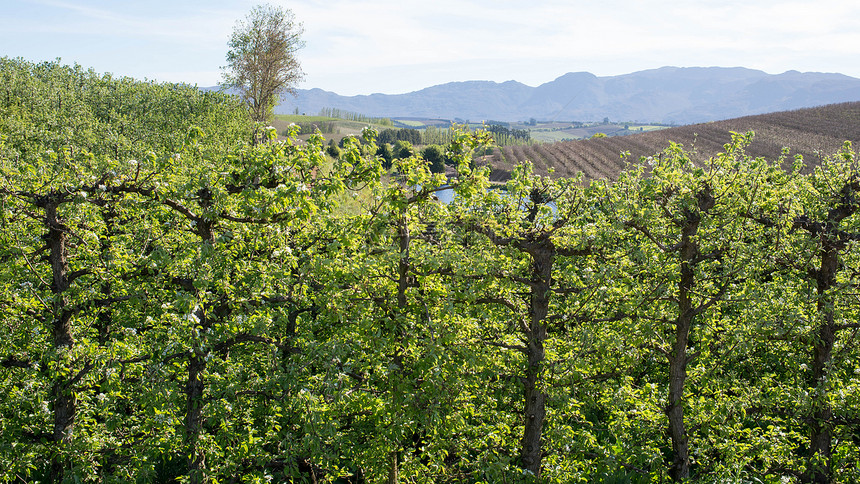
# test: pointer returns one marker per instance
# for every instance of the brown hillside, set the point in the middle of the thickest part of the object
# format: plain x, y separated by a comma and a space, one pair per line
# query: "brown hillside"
813, 133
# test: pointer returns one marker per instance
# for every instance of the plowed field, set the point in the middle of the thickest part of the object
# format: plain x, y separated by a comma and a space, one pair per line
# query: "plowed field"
813, 133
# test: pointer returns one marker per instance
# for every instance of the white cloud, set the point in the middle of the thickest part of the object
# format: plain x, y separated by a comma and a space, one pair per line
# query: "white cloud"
364, 46
175, 24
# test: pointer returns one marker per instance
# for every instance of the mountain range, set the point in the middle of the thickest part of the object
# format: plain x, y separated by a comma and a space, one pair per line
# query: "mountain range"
669, 95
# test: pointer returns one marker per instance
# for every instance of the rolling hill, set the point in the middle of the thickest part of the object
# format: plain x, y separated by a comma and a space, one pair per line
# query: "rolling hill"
812, 132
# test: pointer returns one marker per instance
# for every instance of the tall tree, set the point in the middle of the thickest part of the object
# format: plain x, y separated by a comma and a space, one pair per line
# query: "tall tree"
530, 235
692, 240
261, 62
819, 264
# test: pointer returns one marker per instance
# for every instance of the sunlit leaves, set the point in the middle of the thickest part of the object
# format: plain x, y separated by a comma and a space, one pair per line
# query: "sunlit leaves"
337, 315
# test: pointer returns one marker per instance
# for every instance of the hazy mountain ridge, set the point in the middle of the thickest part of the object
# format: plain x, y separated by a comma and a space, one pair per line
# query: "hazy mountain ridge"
664, 95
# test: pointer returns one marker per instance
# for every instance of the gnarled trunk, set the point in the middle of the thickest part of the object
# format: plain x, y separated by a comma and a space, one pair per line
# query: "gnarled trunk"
534, 411
62, 394
820, 441
194, 417
680, 467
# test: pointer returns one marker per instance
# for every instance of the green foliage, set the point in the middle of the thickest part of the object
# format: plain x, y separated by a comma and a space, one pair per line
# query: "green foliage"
435, 156
403, 149
392, 136
350, 116
67, 111
503, 135
432, 135
261, 61
313, 127
332, 149
181, 304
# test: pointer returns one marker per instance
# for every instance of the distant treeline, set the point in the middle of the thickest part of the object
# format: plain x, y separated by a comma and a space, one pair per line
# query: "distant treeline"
504, 135
433, 135
350, 116
394, 135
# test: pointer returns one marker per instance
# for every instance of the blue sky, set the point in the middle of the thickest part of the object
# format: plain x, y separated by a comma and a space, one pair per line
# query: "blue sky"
395, 46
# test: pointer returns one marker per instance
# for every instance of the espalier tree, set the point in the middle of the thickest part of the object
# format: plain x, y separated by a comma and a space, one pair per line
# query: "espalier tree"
184, 301
691, 241
812, 322
523, 234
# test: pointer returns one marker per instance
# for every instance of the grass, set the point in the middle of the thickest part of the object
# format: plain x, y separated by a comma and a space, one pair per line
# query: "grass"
546, 136
342, 127
646, 127
298, 118
411, 123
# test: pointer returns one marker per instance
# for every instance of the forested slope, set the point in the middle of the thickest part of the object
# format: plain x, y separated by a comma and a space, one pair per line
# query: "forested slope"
198, 308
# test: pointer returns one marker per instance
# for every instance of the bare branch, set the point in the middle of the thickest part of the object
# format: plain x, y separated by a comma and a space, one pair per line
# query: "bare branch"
14, 362
519, 348
647, 233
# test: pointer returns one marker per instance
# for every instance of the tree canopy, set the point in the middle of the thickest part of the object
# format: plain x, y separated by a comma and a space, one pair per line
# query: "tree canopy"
261, 61
181, 304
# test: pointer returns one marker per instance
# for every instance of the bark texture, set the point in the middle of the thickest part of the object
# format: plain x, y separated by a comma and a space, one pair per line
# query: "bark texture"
62, 390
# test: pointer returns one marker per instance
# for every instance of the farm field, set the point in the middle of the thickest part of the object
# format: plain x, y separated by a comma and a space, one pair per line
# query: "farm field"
812, 133
540, 132
554, 132
421, 123
331, 127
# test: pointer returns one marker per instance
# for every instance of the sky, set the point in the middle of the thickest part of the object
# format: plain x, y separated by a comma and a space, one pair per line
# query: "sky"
357, 47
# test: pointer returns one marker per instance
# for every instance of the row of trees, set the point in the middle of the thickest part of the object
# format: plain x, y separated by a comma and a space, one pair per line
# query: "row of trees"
504, 135
48, 106
432, 135
435, 155
392, 136
351, 116
209, 311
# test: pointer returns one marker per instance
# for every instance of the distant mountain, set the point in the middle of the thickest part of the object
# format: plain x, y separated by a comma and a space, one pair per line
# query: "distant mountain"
666, 95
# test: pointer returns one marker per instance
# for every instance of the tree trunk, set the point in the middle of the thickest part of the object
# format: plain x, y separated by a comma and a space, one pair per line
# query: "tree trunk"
105, 315
832, 240
194, 385
404, 262
64, 402
531, 452
679, 469
535, 404
393, 471
680, 466
403, 282
194, 417
822, 413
